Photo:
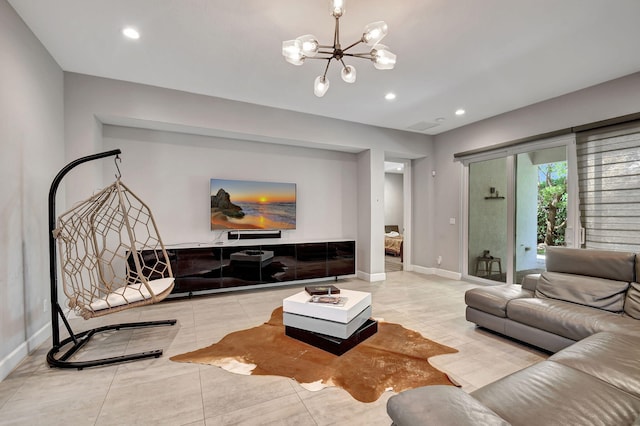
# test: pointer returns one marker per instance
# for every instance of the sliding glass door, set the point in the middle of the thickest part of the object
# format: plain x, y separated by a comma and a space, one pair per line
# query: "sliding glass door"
540, 207
518, 203
487, 241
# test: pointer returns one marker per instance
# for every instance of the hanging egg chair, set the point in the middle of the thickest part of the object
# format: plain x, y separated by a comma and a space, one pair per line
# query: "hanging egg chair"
111, 258
111, 254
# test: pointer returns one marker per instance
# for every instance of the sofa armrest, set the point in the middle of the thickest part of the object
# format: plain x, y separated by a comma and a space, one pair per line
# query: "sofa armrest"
530, 281
440, 405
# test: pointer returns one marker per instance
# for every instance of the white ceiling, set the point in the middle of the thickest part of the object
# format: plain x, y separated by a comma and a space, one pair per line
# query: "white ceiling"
486, 56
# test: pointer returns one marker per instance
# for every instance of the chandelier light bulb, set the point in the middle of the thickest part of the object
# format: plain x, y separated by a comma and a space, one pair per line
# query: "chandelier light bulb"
336, 7
382, 58
292, 52
320, 86
291, 48
348, 74
374, 32
308, 45
295, 59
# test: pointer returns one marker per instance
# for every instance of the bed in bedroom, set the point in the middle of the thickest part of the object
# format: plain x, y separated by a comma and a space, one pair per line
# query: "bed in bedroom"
393, 241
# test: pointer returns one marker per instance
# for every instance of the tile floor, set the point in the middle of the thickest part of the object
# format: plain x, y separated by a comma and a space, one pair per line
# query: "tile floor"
392, 263
162, 392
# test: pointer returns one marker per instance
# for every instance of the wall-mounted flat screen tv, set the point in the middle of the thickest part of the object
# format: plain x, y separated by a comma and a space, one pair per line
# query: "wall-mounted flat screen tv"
241, 204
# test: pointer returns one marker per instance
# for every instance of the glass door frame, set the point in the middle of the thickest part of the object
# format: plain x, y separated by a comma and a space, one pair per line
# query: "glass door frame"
573, 231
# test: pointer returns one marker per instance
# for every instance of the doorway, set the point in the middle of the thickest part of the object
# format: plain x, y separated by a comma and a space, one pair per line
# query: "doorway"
541, 207
518, 203
395, 214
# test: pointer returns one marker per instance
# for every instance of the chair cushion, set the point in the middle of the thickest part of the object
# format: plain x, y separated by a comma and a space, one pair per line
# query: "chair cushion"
439, 405
565, 319
130, 294
549, 393
493, 299
611, 265
598, 293
632, 301
613, 358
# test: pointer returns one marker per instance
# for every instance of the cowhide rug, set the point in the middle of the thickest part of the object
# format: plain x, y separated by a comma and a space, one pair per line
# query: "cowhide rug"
394, 358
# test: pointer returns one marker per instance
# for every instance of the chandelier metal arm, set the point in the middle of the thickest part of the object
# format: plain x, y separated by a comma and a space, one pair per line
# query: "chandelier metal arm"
324, 75
336, 34
359, 55
326, 52
351, 45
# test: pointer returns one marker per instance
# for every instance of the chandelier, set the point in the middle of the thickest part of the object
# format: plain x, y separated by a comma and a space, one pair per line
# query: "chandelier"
307, 47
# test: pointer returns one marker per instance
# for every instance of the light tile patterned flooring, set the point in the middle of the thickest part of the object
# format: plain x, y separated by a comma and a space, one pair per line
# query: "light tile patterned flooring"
392, 263
162, 392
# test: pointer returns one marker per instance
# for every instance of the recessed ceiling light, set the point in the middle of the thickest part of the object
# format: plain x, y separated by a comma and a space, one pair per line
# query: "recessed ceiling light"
131, 33
460, 111
440, 120
390, 96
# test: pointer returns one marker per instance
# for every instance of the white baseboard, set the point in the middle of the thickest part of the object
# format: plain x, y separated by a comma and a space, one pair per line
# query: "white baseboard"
39, 337
371, 277
448, 274
11, 361
437, 271
423, 270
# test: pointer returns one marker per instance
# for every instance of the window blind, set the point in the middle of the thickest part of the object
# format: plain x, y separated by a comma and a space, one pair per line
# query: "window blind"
609, 187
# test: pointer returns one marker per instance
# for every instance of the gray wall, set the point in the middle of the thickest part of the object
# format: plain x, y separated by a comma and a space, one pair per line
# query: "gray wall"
31, 152
91, 102
612, 99
171, 172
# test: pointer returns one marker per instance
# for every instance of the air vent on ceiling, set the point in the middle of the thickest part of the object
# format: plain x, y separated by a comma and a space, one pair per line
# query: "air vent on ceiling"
421, 126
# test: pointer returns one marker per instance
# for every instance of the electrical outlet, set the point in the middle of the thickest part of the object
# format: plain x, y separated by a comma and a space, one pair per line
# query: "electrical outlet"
45, 305
439, 260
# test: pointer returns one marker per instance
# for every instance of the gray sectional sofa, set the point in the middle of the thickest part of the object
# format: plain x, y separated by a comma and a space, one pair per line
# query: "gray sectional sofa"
581, 292
585, 307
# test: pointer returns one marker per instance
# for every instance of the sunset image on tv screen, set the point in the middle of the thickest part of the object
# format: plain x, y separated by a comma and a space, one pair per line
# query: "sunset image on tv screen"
239, 204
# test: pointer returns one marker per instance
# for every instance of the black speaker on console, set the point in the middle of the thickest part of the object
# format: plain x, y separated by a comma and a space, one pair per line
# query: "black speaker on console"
253, 235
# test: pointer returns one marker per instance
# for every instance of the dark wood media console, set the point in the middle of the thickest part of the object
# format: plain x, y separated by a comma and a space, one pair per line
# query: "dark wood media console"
227, 267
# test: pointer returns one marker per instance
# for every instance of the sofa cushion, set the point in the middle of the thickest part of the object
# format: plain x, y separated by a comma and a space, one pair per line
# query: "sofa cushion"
613, 358
565, 319
598, 293
632, 301
493, 299
612, 265
530, 281
549, 393
439, 405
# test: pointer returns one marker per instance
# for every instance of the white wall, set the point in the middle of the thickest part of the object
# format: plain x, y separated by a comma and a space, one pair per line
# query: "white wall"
171, 171
612, 99
31, 152
394, 200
